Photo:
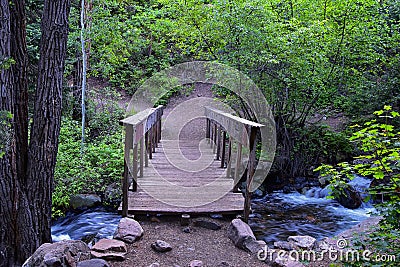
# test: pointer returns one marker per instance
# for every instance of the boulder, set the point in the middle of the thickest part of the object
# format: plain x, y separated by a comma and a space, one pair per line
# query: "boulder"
112, 195
161, 246
84, 201
64, 253
109, 249
128, 230
196, 263
242, 236
93, 263
302, 241
350, 198
207, 224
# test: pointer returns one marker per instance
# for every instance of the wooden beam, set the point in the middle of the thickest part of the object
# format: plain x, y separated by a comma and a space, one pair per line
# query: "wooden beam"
223, 149
250, 172
238, 166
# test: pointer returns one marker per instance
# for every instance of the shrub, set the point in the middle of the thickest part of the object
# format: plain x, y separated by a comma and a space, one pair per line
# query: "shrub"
379, 144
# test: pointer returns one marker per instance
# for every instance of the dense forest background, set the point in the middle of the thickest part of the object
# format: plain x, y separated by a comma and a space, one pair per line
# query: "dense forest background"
323, 66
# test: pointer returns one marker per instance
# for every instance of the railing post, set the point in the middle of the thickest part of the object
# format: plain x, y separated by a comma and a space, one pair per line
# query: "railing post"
154, 138
237, 168
149, 144
211, 133
146, 156
141, 157
125, 181
223, 149
208, 130
229, 160
250, 173
135, 168
159, 128
218, 142
215, 138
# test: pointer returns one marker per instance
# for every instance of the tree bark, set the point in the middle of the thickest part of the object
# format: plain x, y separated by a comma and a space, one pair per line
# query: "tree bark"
47, 115
27, 172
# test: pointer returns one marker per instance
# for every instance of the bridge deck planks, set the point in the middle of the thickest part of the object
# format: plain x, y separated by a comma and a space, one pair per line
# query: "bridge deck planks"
179, 191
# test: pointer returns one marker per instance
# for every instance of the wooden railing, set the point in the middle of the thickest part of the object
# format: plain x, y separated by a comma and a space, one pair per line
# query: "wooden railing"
142, 135
223, 130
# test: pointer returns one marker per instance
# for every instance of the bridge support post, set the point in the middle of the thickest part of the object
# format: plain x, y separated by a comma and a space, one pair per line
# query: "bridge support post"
215, 138
125, 179
229, 160
218, 142
135, 168
236, 177
223, 149
250, 174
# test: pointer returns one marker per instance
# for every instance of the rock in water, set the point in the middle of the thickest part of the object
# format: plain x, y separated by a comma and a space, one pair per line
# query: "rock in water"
129, 230
84, 201
350, 198
303, 241
242, 236
161, 246
109, 249
64, 253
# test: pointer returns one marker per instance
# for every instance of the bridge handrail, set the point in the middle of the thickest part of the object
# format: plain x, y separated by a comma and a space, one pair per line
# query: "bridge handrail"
244, 132
144, 130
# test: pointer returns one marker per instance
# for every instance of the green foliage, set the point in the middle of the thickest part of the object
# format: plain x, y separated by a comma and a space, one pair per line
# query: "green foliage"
5, 117
100, 165
103, 113
5, 63
379, 145
306, 56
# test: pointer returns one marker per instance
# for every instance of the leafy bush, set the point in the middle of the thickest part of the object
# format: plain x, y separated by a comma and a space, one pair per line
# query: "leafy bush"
100, 164
379, 146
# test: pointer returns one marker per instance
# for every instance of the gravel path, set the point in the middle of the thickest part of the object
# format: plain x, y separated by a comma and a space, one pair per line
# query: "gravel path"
212, 247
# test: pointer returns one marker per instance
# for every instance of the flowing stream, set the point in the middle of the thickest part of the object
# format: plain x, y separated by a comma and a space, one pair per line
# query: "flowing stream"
275, 217
96, 223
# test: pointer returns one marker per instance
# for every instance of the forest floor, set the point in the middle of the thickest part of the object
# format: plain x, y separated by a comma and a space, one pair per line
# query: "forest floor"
212, 247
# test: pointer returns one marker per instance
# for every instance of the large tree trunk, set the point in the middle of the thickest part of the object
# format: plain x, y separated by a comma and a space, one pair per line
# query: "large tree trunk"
26, 174
15, 216
47, 115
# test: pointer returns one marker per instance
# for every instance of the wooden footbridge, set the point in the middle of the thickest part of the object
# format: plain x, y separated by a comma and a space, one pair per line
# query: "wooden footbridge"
187, 176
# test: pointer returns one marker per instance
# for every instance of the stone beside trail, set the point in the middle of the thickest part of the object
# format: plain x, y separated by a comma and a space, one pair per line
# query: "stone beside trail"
109, 249
128, 230
64, 253
161, 246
